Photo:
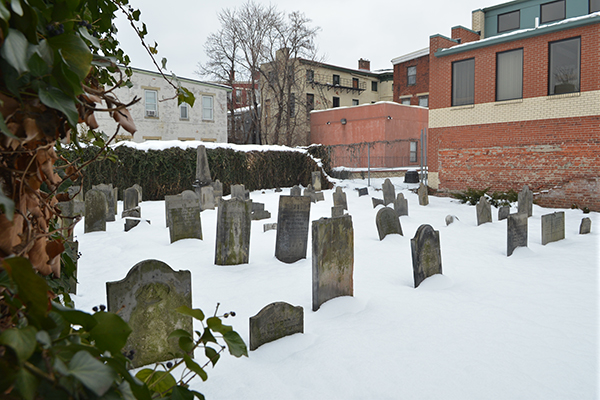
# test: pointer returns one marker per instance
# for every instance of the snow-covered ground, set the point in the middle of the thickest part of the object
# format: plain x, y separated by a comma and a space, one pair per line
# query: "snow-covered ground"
490, 327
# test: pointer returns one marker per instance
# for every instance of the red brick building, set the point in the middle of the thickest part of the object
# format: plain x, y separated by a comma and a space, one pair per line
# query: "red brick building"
411, 78
516, 100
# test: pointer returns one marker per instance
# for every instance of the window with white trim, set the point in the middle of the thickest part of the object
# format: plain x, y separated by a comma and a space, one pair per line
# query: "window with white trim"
151, 103
207, 108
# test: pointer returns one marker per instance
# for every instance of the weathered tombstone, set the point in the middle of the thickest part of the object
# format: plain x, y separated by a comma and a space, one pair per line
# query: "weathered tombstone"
238, 192
503, 212
337, 211
450, 219
376, 202
484, 211
184, 218
553, 227
426, 253
233, 232
70, 210
187, 196
316, 180
139, 189
423, 195
147, 299
116, 198
131, 198
310, 192
259, 212
339, 198
72, 250
96, 207
516, 232
217, 189
202, 170
319, 196
131, 208
401, 205
132, 218
586, 226
363, 192
411, 177
207, 198
270, 227
110, 200
525, 199
332, 259
387, 222
296, 191
292, 228
275, 321
389, 192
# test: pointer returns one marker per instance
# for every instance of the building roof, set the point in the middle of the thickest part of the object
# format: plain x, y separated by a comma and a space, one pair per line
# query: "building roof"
182, 79
410, 56
376, 73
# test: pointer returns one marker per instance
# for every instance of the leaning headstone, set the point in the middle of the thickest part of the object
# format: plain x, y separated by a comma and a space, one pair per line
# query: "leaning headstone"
275, 321
339, 198
516, 232
202, 170
525, 199
484, 211
553, 227
450, 219
337, 211
426, 253
207, 198
147, 299
401, 205
363, 192
389, 192
423, 195
233, 232
332, 259
376, 202
259, 212
296, 191
96, 207
387, 222
586, 226
132, 218
131, 198
503, 212
110, 200
316, 180
184, 218
238, 192
270, 227
292, 228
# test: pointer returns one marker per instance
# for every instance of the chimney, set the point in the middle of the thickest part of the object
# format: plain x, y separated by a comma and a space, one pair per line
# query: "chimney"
364, 64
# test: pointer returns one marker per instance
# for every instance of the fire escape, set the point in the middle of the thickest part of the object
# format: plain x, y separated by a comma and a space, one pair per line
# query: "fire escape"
335, 82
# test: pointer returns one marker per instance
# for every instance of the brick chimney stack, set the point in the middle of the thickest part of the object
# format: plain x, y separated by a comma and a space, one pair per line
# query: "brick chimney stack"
364, 64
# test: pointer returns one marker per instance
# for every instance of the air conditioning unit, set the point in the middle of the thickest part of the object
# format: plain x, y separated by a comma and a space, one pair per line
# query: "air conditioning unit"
150, 113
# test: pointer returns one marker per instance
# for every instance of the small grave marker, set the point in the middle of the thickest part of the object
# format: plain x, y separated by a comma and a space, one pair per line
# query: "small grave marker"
387, 222
389, 192
525, 199
484, 211
503, 212
586, 226
553, 227
401, 205
275, 321
339, 198
233, 232
426, 253
96, 207
292, 228
516, 232
423, 195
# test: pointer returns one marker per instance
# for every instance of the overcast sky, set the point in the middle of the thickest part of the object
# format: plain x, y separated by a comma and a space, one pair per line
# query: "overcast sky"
376, 30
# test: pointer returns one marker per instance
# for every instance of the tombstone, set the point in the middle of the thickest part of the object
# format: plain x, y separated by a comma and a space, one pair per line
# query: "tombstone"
363, 192
139, 189
516, 232
450, 219
376, 202
275, 321
270, 227
202, 170
259, 212
484, 211
503, 212
426, 253
292, 228
310, 192
423, 195
146, 299
411, 177
233, 232
96, 207
339, 198
525, 199
217, 191
207, 198
132, 218
586, 226
389, 192
238, 192
116, 198
184, 217
316, 180
387, 222
401, 205
131, 208
187, 195
332, 259
319, 196
337, 211
110, 200
296, 191
70, 210
278, 190
553, 227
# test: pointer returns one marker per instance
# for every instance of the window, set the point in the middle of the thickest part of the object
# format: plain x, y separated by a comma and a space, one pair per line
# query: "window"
463, 82
509, 75
151, 103
354, 102
509, 21
292, 105
405, 101
413, 151
310, 103
336, 102
411, 76
424, 101
355, 83
184, 111
552, 11
238, 96
374, 84
336, 80
310, 75
207, 108
594, 6
565, 58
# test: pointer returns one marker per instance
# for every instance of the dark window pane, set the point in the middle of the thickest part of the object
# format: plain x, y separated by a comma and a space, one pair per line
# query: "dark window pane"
553, 11
509, 21
412, 75
336, 102
374, 86
594, 6
565, 58
509, 75
336, 79
463, 82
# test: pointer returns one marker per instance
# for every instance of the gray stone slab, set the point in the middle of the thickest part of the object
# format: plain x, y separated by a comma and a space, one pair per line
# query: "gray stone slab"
207, 198
339, 198
116, 198
275, 321
363, 192
319, 196
184, 218
389, 192
238, 192
503, 212
586, 226
270, 227
516, 232
376, 202
140, 192
146, 299
525, 199
332, 259
553, 227
401, 205
260, 215
337, 211
110, 200
387, 222
203, 177
233, 232
316, 180
450, 219
187, 198
293, 220
426, 253
131, 198
96, 207
72, 250
423, 195
217, 189
296, 191
484, 211
128, 215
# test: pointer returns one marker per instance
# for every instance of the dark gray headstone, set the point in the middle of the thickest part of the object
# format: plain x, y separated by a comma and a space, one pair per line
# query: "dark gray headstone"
270, 227
363, 192
426, 253
553, 227
202, 170
401, 205
187, 196
316, 180
111, 201
207, 198
184, 218
389, 192
146, 299
292, 228
332, 259
96, 207
278, 190
423, 195
296, 191
259, 212
217, 189
319, 196
275, 321
411, 177
131, 198
586, 226
116, 198
516, 232
337, 211
139, 189
233, 232
376, 202
339, 198
238, 192
484, 211
131, 217
503, 212
525, 199
387, 222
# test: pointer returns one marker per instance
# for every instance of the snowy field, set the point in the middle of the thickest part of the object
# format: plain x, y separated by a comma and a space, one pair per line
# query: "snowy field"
490, 327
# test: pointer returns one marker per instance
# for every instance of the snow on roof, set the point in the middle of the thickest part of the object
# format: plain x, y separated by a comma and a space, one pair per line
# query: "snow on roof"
410, 56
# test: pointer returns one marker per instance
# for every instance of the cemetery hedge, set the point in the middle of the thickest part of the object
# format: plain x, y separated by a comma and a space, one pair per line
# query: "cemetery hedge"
173, 170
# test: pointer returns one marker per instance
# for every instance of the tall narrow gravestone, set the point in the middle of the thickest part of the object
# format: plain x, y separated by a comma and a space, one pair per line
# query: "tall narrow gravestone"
332, 259
95, 211
553, 227
110, 200
387, 222
296, 191
233, 232
516, 232
525, 200
484, 211
184, 218
586, 226
131, 208
316, 180
292, 228
401, 205
217, 191
426, 253
207, 198
202, 170
389, 192
147, 299
339, 198
423, 195
139, 189
275, 321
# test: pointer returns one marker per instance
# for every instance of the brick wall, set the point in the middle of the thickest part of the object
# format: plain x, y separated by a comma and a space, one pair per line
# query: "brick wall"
465, 35
401, 87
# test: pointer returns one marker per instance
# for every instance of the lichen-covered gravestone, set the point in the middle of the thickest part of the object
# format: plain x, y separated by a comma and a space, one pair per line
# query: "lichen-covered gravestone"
275, 321
139, 189
484, 211
389, 192
525, 201
111, 200
95, 211
586, 226
187, 196
426, 253
234, 219
259, 212
423, 195
238, 192
387, 222
183, 214
147, 299
316, 180
293, 220
337, 211
332, 259
339, 198
503, 212
401, 205
516, 232
296, 191
553, 227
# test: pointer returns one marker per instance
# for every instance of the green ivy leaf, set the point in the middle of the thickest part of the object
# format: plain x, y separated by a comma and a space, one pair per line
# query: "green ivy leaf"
94, 41
76, 317
44, 339
6, 204
186, 344
21, 340
55, 98
215, 324
179, 333
16, 7
93, 374
126, 391
157, 381
74, 52
111, 333
4, 12
193, 366
212, 355
198, 395
14, 50
207, 336
192, 312
181, 393
26, 384
32, 288
235, 344
138, 388
185, 96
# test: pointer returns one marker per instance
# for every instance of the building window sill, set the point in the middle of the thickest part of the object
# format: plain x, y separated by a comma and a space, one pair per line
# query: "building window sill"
464, 107
505, 102
563, 96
